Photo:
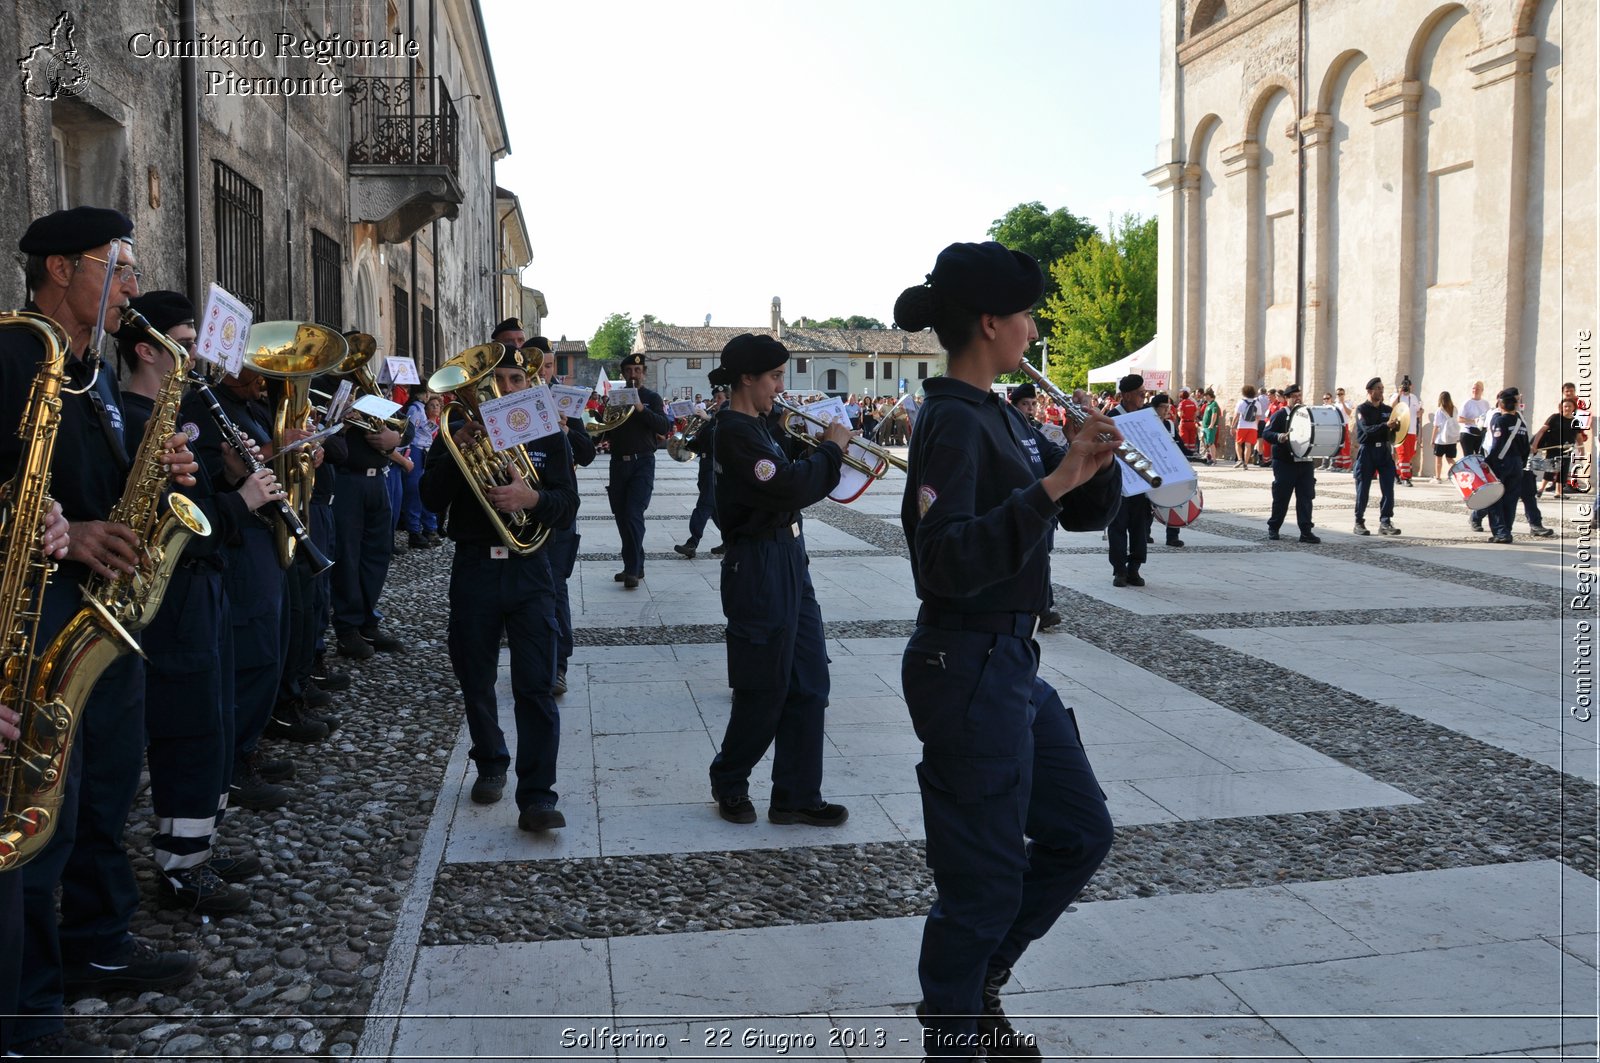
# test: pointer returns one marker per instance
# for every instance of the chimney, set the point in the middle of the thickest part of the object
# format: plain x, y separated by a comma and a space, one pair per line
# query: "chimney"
708, 321
777, 316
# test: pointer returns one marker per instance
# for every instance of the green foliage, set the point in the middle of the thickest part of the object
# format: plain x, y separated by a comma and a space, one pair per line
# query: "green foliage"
853, 321
1047, 235
613, 339
1104, 306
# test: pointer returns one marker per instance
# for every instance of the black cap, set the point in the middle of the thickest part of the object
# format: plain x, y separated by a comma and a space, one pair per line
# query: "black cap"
1131, 382
988, 277
748, 353
539, 342
1375, 382
1508, 395
1161, 398
1024, 391
510, 358
510, 324
1292, 389
163, 310
66, 232
633, 359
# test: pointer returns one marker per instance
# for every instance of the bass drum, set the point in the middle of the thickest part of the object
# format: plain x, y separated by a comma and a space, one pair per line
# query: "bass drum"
1315, 432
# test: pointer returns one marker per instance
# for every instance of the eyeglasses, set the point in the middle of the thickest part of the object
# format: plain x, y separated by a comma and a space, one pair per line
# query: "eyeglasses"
124, 272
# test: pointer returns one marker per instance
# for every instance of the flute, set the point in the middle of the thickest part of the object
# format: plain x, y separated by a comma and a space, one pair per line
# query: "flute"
1129, 454
291, 520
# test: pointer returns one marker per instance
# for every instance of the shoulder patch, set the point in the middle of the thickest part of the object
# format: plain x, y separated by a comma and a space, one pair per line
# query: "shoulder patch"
191, 430
926, 497
766, 469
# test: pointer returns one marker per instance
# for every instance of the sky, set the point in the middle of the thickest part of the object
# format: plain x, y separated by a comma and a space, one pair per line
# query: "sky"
700, 157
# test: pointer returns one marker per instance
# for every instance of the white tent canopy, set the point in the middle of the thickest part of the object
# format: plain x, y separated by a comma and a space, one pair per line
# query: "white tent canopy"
1138, 362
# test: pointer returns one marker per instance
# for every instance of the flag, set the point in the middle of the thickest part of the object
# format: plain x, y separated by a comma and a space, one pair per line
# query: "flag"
602, 386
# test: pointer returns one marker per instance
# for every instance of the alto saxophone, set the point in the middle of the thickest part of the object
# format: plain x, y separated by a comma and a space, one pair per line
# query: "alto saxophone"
164, 531
33, 771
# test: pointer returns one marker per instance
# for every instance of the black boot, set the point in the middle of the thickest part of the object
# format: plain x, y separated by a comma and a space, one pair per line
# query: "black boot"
995, 1031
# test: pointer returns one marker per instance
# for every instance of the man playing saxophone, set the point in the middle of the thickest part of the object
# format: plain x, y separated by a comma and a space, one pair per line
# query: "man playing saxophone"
81, 270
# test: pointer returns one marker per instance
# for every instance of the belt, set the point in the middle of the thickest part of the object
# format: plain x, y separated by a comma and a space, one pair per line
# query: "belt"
781, 533
1022, 625
364, 472
485, 551
634, 457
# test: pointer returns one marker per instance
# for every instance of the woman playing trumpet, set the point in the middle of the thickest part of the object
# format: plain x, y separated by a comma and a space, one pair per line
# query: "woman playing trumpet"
1002, 760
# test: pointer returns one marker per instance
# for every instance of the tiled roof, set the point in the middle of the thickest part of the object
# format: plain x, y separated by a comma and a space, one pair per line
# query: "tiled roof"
570, 347
672, 339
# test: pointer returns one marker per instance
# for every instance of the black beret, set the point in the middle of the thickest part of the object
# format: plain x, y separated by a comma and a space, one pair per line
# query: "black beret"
1508, 395
162, 309
748, 353
633, 359
988, 278
1375, 382
1292, 389
1131, 382
510, 358
510, 324
1161, 398
1024, 391
66, 232
539, 342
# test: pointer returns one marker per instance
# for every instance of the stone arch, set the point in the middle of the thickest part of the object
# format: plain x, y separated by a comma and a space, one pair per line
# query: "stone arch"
1214, 344
1337, 70
1528, 16
1207, 13
1417, 53
1350, 295
1266, 91
1274, 238
1202, 130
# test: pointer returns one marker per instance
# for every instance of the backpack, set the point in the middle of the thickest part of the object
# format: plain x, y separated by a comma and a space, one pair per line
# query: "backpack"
1249, 411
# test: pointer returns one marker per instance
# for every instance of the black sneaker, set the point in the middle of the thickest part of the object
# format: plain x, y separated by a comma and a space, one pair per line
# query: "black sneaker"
275, 770
313, 694
289, 722
1135, 580
1120, 579
434, 538
541, 817
824, 815
1539, 531
686, 549
201, 889
1175, 542
1309, 538
58, 1046
1361, 528
382, 641
1386, 528
630, 582
1049, 619
620, 576
137, 966
736, 809
351, 644
327, 678
417, 542
250, 790
489, 787
233, 867
1272, 534
995, 1032
718, 550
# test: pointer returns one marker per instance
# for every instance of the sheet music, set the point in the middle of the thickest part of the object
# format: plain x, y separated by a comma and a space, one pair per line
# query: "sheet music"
1145, 431
520, 417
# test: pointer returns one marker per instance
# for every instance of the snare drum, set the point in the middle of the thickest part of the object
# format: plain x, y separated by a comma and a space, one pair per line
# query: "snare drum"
1315, 432
1539, 465
1181, 515
1479, 486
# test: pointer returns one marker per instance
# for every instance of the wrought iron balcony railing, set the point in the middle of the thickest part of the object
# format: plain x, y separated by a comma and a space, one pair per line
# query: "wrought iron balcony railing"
400, 121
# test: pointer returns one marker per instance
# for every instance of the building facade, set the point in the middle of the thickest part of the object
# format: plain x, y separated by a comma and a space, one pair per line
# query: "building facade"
1357, 188
340, 167
870, 362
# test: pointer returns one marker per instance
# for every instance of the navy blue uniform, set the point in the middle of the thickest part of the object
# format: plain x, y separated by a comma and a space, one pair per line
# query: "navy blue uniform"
1289, 475
1128, 534
633, 474
777, 658
1002, 760
85, 856
495, 593
705, 503
1506, 450
562, 546
1374, 443
365, 525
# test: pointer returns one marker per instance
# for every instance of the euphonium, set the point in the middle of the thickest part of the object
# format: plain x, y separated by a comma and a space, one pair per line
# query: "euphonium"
48, 690
292, 353
678, 442
608, 418
164, 531
470, 375
863, 455
356, 368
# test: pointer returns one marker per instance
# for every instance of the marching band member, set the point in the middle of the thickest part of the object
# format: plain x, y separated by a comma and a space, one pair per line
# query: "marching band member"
1002, 759
777, 656
1506, 450
562, 546
632, 476
1290, 476
89, 947
1129, 531
495, 593
1405, 451
705, 503
1375, 425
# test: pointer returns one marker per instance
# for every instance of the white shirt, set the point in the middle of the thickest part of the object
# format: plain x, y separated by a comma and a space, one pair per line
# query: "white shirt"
1446, 429
1240, 410
1412, 403
1475, 412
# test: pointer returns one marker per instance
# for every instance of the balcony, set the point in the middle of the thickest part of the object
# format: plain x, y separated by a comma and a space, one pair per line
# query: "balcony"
404, 156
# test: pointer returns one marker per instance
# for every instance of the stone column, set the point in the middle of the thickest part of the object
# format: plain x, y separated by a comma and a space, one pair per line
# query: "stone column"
1317, 129
1499, 243
1169, 352
1242, 161
1193, 318
1394, 227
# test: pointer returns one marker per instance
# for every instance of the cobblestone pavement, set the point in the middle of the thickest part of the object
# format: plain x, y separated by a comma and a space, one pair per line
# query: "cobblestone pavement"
1356, 819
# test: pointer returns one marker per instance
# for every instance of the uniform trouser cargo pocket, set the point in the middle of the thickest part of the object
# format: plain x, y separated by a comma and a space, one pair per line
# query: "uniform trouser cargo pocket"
974, 810
759, 656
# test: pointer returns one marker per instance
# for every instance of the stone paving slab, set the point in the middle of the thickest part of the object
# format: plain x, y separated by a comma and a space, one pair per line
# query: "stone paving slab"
600, 535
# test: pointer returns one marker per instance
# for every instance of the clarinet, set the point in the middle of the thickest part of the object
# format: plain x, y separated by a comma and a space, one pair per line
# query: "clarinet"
230, 431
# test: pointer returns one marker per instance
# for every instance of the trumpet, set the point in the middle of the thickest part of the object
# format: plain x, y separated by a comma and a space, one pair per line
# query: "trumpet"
1126, 452
877, 468
357, 370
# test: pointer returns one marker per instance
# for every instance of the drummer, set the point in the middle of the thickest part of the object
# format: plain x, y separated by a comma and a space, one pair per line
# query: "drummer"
1375, 425
1290, 475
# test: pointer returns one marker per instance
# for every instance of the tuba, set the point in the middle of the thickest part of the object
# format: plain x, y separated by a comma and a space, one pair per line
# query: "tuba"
470, 375
356, 368
292, 353
48, 690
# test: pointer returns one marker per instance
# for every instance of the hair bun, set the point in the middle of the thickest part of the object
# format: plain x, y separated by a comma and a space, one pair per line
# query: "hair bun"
913, 311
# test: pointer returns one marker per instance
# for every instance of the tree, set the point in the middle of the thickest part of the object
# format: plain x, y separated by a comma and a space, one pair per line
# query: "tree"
853, 321
1047, 235
1105, 303
613, 339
